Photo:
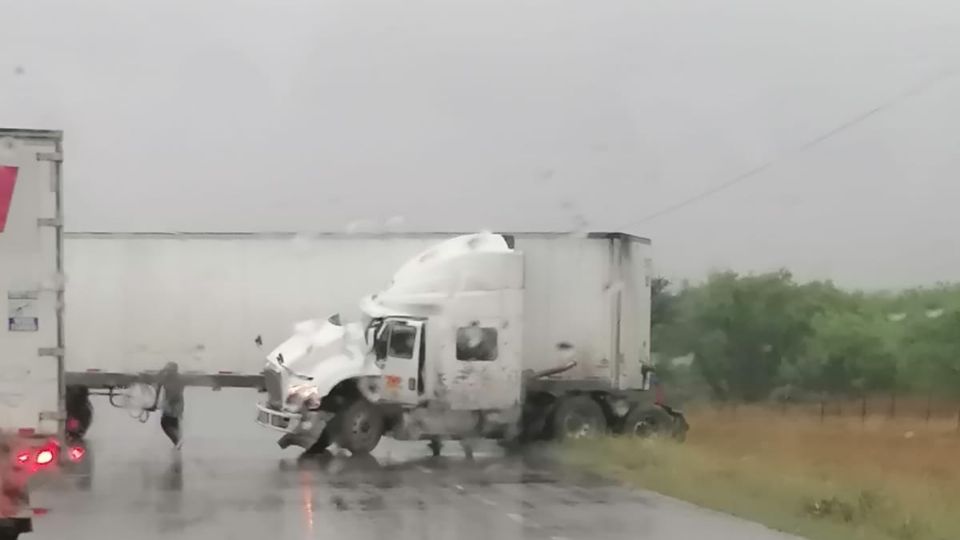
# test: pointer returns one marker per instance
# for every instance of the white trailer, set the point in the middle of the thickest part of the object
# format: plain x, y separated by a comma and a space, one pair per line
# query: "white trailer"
31, 283
201, 300
31, 339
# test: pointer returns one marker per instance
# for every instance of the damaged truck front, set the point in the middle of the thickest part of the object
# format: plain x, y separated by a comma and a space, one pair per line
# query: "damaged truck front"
322, 370
478, 337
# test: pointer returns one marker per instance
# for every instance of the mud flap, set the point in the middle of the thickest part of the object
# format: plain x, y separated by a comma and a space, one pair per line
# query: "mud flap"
680, 425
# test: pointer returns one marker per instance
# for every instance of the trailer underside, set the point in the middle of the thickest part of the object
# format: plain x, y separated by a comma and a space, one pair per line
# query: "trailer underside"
106, 380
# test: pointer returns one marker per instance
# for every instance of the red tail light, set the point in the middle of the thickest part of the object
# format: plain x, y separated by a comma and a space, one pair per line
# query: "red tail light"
23, 457
76, 453
45, 456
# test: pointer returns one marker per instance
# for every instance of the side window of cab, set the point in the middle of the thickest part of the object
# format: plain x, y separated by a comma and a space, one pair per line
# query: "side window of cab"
477, 343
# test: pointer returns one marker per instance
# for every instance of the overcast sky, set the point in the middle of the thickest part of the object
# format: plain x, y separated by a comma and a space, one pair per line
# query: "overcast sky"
321, 115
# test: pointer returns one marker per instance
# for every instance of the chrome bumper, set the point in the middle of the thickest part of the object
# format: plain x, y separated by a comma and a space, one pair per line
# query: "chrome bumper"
286, 422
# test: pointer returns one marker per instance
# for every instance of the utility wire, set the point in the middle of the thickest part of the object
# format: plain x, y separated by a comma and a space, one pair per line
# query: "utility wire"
755, 171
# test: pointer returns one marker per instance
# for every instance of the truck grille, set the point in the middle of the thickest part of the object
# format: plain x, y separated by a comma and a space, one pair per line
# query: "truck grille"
274, 386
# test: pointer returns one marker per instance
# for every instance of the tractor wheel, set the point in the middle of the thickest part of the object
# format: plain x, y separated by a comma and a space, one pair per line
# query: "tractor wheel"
577, 417
358, 428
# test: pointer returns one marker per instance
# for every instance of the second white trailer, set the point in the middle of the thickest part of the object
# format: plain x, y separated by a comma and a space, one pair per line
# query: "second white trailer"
137, 301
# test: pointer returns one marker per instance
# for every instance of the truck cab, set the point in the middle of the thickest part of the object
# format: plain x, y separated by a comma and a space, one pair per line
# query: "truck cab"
447, 332
442, 354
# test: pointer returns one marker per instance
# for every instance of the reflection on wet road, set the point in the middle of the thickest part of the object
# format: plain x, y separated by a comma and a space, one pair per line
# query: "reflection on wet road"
231, 481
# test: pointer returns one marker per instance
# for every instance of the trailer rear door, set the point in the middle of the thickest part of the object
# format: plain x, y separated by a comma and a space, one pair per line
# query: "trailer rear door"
31, 282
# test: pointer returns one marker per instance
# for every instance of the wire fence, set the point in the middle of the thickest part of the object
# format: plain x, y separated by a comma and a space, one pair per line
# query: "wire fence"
915, 410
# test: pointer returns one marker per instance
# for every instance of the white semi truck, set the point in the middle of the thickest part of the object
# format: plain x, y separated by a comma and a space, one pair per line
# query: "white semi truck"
516, 337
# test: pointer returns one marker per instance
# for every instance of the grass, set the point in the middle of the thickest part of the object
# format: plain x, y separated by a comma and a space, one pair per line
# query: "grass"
842, 479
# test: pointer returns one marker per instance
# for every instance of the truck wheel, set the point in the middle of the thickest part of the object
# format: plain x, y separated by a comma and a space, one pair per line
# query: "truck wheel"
647, 421
578, 417
680, 427
359, 427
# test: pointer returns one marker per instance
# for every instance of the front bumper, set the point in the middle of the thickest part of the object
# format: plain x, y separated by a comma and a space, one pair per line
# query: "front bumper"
286, 422
299, 429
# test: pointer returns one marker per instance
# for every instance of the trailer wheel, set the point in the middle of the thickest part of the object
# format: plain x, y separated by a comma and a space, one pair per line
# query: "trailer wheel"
577, 417
358, 428
647, 421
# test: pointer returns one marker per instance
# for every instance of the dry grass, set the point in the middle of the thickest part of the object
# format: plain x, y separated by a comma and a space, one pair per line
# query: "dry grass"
840, 479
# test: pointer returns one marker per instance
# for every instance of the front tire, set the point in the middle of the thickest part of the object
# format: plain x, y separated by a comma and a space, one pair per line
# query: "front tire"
358, 428
578, 417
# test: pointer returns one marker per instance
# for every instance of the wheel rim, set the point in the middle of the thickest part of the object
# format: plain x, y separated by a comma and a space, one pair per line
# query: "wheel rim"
578, 427
644, 427
361, 425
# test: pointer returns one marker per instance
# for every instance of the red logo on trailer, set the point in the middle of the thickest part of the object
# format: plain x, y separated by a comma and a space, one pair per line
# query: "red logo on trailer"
8, 177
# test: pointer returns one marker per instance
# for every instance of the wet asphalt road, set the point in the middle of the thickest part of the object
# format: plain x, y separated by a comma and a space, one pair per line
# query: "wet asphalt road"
232, 481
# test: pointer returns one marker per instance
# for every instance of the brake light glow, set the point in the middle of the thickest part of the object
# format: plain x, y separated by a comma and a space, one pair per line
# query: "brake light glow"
44, 457
23, 457
76, 453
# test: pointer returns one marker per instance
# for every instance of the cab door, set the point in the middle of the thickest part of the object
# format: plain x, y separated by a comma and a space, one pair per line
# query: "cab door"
483, 371
402, 355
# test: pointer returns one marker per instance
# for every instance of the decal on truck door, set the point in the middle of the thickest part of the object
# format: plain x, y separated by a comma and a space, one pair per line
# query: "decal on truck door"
8, 177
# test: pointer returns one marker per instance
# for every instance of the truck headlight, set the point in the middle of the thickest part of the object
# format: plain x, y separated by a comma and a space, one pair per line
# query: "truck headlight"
303, 395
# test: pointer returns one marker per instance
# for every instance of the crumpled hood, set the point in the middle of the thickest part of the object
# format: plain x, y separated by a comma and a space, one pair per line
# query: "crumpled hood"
326, 352
313, 341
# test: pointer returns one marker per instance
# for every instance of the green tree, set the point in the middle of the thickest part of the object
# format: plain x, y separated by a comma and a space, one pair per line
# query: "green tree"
849, 352
931, 346
741, 329
662, 312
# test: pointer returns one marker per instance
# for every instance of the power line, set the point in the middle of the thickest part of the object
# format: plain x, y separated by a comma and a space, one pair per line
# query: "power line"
754, 171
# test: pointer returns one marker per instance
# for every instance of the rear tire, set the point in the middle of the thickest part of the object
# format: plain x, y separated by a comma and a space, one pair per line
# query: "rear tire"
647, 422
358, 428
577, 417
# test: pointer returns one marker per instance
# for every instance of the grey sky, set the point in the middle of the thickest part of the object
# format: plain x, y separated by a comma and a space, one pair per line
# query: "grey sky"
512, 115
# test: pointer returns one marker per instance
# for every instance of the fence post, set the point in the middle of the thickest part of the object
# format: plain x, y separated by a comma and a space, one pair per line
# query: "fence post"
893, 404
928, 412
863, 408
822, 407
